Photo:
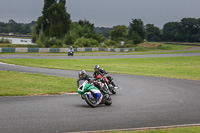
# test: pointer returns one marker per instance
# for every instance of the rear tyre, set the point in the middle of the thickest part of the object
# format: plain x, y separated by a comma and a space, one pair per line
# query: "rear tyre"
108, 100
90, 101
113, 91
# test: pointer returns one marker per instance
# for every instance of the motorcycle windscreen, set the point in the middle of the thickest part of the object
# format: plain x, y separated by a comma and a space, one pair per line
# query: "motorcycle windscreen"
81, 82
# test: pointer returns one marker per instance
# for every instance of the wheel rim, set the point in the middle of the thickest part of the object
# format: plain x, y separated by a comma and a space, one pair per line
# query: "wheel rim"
91, 99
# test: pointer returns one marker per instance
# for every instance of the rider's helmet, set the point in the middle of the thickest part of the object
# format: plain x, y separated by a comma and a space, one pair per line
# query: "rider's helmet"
82, 75
96, 68
71, 48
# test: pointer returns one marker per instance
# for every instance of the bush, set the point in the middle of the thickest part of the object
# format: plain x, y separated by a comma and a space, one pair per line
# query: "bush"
44, 41
86, 42
78, 45
70, 38
33, 38
34, 35
110, 43
4, 40
53, 42
129, 42
41, 41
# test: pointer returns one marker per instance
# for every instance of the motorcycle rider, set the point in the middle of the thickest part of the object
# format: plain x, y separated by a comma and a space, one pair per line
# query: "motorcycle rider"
84, 76
102, 72
72, 49
98, 71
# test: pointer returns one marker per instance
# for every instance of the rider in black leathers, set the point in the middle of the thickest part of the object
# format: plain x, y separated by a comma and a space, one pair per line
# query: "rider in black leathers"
98, 71
102, 72
84, 76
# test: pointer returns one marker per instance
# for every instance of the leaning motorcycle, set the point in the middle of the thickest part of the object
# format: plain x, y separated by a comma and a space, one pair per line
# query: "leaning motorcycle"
92, 95
109, 83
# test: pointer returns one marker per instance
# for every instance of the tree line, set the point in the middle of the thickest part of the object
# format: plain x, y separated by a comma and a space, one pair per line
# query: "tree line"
17, 28
187, 30
55, 28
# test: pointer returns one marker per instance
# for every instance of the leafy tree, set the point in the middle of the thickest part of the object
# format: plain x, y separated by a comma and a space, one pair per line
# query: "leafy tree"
171, 31
44, 23
152, 33
136, 38
87, 30
34, 36
59, 20
63, 2
54, 23
55, 20
136, 31
104, 31
82, 28
118, 33
15, 27
86, 23
37, 29
73, 34
188, 28
197, 35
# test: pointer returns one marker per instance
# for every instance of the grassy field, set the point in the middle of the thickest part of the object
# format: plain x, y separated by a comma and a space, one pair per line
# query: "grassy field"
21, 84
171, 67
106, 53
132, 53
171, 130
161, 47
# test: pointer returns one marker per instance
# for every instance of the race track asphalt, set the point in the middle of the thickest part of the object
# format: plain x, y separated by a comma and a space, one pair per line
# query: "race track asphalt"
141, 101
38, 56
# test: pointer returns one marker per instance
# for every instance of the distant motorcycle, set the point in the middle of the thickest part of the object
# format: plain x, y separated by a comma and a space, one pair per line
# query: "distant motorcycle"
92, 95
70, 52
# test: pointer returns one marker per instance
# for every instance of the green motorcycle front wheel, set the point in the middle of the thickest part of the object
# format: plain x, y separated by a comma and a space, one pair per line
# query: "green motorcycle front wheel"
91, 101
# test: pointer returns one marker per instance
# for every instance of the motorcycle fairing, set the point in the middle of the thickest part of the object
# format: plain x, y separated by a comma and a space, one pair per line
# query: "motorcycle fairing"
86, 88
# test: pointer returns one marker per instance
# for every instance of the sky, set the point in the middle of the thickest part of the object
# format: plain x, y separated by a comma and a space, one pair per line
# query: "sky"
106, 13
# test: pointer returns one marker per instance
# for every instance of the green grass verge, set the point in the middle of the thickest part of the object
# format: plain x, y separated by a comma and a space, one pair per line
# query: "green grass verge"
21, 84
171, 67
137, 53
171, 130
105, 53
162, 47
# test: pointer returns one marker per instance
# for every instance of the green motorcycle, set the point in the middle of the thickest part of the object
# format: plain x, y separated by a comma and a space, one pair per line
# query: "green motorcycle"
92, 95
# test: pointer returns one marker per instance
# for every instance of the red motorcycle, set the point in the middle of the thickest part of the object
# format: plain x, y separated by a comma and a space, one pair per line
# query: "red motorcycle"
107, 83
